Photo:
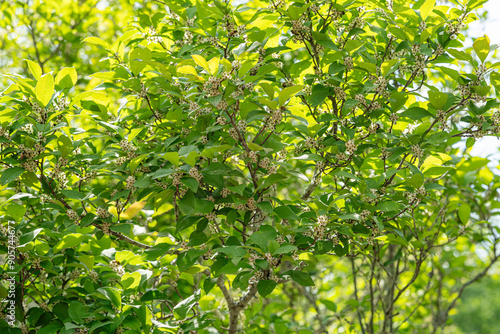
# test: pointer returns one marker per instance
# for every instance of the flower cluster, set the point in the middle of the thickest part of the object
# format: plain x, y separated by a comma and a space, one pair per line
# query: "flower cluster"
102, 213
117, 267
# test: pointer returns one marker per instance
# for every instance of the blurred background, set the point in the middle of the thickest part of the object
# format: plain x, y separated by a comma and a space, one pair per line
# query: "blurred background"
479, 310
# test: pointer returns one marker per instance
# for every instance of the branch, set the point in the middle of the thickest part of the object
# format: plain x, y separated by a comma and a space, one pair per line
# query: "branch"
123, 237
356, 295
310, 188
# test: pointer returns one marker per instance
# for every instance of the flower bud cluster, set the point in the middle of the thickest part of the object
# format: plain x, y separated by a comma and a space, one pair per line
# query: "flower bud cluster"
341, 156
102, 213
117, 267
195, 173
299, 30
211, 216
364, 215
320, 227
221, 120
94, 276
273, 119
75, 274
417, 151
382, 85
152, 35
72, 215
340, 93
372, 129
350, 146
393, 117
211, 86
384, 154
481, 71
348, 62
130, 182
273, 262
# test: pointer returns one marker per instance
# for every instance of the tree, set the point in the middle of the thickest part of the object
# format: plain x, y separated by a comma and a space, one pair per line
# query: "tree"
248, 168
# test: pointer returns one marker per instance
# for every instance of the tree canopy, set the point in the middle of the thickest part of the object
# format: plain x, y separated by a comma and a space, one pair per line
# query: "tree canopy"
248, 167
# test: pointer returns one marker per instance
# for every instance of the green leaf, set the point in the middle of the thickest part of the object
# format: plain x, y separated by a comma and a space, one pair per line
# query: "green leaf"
65, 145
172, 157
262, 236
437, 99
464, 213
69, 240
35, 69
66, 78
482, 47
189, 204
287, 93
388, 67
213, 65
329, 304
284, 212
10, 175
16, 211
255, 147
427, 8
185, 305
53, 327
416, 113
25, 238
112, 295
73, 194
87, 260
265, 287
138, 58
44, 89
191, 183
318, 95
398, 100
76, 311
285, 249
352, 45
300, 277
268, 89
235, 253
481, 90
460, 55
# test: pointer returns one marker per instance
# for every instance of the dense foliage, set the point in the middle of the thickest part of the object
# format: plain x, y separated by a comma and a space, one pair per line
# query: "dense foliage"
260, 167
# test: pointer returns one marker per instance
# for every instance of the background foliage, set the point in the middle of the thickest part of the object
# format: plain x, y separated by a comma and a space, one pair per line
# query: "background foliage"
281, 167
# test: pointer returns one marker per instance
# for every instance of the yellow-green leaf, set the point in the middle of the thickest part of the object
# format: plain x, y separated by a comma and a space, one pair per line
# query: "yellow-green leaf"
187, 70
464, 212
482, 47
133, 210
213, 66
35, 69
96, 41
255, 147
45, 89
172, 157
131, 280
287, 93
495, 80
387, 66
66, 78
199, 60
427, 8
